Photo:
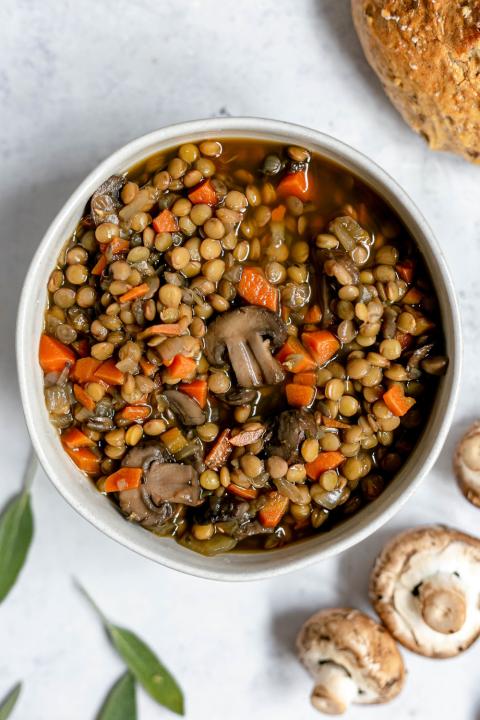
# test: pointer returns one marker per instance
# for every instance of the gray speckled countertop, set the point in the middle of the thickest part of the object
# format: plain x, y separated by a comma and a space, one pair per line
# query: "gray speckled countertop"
77, 80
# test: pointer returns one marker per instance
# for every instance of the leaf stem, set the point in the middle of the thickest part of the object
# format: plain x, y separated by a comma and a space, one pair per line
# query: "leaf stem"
30, 472
92, 602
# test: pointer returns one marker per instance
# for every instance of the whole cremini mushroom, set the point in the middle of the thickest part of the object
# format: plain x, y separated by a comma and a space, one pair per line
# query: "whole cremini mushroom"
466, 464
351, 658
425, 587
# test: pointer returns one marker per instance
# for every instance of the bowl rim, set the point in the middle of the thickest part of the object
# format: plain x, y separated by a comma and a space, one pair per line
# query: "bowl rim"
375, 515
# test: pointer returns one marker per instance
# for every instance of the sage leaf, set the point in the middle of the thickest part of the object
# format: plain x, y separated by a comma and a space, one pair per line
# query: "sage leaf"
147, 668
7, 705
120, 703
142, 662
16, 532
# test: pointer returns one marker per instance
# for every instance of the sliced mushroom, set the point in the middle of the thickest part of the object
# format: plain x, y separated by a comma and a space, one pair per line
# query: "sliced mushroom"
144, 455
418, 355
185, 408
105, 202
467, 464
425, 587
294, 426
239, 396
351, 658
133, 504
247, 336
173, 482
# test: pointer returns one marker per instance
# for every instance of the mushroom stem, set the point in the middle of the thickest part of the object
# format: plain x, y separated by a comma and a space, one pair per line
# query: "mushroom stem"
245, 366
271, 368
334, 689
443, 604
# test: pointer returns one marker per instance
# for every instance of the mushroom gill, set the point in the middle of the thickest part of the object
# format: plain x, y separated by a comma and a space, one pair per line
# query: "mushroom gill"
425, 587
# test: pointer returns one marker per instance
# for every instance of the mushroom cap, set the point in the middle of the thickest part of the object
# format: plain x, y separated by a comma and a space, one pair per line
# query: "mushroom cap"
240, 333
425, 586
351, 641
466, 464
239, 324
104, 202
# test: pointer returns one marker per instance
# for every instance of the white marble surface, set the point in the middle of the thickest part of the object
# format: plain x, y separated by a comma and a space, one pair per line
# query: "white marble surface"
77, 80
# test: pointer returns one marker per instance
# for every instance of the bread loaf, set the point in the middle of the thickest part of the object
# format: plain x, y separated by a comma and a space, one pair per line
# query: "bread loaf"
427, 55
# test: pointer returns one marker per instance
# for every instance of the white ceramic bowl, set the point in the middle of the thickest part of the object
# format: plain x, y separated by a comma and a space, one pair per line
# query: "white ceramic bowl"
81, 493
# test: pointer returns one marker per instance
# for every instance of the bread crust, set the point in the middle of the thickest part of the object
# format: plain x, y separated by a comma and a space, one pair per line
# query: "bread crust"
427, 56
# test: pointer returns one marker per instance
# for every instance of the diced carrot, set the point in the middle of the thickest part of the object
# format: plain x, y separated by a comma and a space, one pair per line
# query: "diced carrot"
332, 423
278, 213
54, 355
84, 459
322, 344
134, 412
284, 313
74, 438
203, 193
305, 378
83, 397
313, 314
134, 293
181, 368
328, 460
165, 222
397, 402
100, 265
109, 373
84, 369
126, 478
412, 297
219, 453
197, 389
295, 357
118, 246
148, 368
256, 290
406, 270
170, 329
174, 440
81, 347
299, 395
241, 492
273, 510
298, 184
405, 339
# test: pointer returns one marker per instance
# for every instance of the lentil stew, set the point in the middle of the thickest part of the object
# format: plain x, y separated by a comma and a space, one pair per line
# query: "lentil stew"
242, 344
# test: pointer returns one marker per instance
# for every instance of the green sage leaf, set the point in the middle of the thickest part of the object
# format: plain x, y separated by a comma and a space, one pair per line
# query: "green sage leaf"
142, 662
7, 705
120, 703
16, 532
147, 668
